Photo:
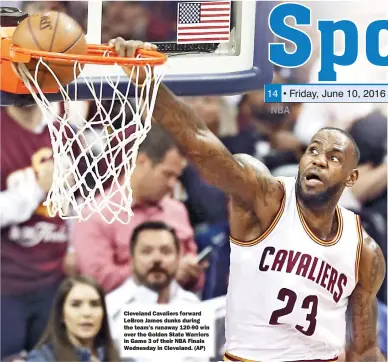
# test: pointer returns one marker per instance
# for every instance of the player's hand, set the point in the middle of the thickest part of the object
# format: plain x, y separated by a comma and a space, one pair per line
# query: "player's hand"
128, 48
44, 175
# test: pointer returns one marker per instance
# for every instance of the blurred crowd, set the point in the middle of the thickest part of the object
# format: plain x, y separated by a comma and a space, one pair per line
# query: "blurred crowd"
158, 257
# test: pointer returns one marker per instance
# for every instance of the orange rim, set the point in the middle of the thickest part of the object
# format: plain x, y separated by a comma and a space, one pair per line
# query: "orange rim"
97, 54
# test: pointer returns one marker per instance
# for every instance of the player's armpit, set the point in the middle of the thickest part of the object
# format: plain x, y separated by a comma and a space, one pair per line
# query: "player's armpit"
362, 342
215, 163
268, 191
247, 223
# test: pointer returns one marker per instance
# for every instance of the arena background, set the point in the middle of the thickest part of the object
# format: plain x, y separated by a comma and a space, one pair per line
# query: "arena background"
274, 133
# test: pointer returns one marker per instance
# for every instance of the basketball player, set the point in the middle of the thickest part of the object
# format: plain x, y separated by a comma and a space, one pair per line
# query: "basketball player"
33, 245
299, 261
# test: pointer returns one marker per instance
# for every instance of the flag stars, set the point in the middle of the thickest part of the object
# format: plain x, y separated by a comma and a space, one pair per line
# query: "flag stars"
189, 13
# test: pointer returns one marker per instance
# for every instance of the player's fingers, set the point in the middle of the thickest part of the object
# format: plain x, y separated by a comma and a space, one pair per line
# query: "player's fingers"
150, 46
131, 46
128, 48
119, 46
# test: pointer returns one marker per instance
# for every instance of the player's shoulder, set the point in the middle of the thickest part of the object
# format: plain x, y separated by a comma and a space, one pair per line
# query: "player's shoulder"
372, 264
350, 222
289, 181
287, 184
370, 248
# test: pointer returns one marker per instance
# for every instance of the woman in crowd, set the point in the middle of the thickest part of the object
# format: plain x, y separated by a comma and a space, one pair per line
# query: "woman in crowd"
78, 328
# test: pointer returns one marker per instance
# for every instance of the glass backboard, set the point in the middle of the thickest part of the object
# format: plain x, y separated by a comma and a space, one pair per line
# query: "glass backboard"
213, 47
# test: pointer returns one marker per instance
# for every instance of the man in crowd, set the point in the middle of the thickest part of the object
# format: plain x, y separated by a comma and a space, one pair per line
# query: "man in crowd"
101, 249
155, 257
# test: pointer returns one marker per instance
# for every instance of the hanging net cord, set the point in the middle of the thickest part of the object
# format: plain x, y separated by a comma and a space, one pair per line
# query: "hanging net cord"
110, 138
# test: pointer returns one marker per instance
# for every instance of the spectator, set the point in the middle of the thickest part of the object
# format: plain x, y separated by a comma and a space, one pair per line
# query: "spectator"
368, 197
101, 249
204, 202
272, 124
314, 116
207, 205
33, 245
76, 10
154, 262
128, 19
78, 329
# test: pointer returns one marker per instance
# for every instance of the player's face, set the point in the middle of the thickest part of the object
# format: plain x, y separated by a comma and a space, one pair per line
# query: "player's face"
82, 313
155, 260
160, 179
326, 168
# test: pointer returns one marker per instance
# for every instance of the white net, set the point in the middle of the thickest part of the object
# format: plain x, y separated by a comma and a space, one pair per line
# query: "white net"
94, 157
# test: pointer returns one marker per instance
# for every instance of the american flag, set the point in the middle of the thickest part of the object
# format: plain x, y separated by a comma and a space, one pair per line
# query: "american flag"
203, 22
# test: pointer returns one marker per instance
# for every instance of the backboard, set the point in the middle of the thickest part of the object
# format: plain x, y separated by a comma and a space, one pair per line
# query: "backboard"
214, 47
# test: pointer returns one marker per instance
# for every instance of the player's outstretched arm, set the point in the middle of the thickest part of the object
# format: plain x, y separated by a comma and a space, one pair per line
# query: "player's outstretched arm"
362, 343
216, 164
203, 148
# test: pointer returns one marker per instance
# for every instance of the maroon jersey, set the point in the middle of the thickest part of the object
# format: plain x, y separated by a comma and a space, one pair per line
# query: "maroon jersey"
31, 252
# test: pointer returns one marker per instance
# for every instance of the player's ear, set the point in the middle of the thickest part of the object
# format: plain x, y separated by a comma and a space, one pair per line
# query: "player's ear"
353, 177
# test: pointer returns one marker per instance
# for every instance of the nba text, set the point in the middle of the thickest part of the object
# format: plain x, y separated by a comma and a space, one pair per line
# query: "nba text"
306, 266
279, 55
279, 109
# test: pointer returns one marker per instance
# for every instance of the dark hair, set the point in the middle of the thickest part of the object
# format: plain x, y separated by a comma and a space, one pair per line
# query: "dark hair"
152, 225
56, 335
349, 137
157, 143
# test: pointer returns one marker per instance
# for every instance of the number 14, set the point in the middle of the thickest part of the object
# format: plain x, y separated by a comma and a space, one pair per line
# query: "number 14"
272, 93
310, 303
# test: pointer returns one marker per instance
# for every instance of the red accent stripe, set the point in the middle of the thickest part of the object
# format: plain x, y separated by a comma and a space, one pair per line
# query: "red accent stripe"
215, 15
215, 9
229, 357
202, 27
199, 39
206, 33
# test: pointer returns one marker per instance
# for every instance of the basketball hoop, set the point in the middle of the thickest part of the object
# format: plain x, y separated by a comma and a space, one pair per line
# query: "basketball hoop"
79, 187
